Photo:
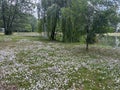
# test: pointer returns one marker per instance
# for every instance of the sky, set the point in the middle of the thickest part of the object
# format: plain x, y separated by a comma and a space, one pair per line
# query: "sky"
35, 10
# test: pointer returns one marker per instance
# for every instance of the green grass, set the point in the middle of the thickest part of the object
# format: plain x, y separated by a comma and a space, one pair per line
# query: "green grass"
40, 64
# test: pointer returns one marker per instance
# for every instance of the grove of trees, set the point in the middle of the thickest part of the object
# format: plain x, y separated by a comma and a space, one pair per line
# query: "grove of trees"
77, 19
65, 20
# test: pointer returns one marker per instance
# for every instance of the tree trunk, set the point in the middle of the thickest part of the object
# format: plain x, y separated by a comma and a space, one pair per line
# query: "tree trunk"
8, 32
87, 38
53, 35
53, 29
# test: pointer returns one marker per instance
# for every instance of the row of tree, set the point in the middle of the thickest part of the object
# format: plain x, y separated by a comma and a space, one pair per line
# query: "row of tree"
76, 19
15, 15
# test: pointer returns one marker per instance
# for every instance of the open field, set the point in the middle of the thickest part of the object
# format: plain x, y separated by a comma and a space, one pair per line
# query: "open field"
113, 34
28, 62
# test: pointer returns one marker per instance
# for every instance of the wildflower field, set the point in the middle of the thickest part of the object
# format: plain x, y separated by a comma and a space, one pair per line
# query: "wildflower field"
30, 63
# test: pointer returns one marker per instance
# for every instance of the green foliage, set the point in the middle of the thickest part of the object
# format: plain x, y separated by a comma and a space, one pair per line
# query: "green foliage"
52, 18
11, 10
28, 27
73, 22
79, 18
33, 22
25, 23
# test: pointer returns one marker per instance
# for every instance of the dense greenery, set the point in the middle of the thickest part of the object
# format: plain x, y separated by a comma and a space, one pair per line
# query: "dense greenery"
77, 19
25, 23
13, 13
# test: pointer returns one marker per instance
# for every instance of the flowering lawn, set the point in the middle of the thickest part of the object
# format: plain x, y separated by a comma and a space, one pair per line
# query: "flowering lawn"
29, 63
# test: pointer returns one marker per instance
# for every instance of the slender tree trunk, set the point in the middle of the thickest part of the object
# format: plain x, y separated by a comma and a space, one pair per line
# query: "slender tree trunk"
53, 32
87, 37
53, 35
54, 29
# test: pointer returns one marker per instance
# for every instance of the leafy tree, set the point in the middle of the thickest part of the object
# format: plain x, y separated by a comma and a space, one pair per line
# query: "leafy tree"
23, 21
52, 18
49, 12
10, 9
99, 19
33, 22
73, 21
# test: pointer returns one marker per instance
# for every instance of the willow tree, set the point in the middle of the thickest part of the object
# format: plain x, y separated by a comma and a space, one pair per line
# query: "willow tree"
87, 18
66, 25
73, 21
42, 7
49, 13
52, 18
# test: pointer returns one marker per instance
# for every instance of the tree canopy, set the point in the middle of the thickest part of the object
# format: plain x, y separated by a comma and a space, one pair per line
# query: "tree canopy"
13, 9
78, 18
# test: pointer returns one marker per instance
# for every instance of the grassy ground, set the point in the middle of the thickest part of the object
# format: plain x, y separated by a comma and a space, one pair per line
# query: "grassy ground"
31, 63
114, 34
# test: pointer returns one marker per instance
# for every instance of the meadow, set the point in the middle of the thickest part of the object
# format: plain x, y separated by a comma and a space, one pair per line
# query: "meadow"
29, 62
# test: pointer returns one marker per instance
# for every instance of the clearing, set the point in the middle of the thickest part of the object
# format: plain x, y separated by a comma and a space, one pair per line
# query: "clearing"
28, 62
